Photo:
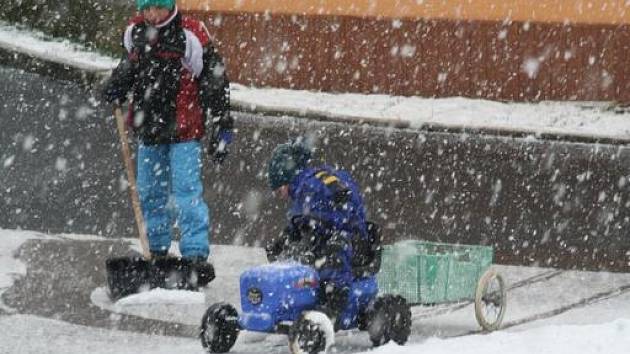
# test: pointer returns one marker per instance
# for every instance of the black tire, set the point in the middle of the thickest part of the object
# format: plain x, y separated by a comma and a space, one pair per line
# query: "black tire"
219, 328
389, 318
308, 336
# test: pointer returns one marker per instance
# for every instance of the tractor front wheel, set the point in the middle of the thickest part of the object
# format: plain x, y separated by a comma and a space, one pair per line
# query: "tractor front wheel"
312, 333
219, 328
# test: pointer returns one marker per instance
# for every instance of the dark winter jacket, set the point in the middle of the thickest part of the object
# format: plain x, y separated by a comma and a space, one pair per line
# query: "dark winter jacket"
177, 79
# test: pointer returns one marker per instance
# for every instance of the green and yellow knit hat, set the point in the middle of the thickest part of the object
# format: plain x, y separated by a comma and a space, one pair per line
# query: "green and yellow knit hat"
143, 4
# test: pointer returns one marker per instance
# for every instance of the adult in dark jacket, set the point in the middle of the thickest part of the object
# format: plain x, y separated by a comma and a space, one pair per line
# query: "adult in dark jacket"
178, 92
325, 217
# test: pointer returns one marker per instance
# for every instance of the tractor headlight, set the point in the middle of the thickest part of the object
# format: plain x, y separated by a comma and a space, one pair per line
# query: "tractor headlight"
254, 295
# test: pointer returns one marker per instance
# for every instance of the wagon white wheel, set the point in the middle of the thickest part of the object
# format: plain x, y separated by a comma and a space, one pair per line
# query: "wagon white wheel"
490, 300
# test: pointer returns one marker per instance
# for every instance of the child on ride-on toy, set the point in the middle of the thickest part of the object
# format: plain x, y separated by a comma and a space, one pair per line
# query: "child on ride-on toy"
335, 290
327, 226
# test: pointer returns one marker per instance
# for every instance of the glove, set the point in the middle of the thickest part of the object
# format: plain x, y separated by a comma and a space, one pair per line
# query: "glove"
333, 252
219, 145
114, 95
275, 247
120, 82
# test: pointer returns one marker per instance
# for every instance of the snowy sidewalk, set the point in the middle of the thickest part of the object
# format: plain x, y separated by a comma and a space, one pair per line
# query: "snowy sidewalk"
582, 120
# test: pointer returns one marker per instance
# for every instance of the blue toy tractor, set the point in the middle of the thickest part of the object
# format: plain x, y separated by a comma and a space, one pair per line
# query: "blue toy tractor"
282, 297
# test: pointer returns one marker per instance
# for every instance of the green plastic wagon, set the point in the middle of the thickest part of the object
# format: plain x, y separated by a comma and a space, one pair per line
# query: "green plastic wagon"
430, 273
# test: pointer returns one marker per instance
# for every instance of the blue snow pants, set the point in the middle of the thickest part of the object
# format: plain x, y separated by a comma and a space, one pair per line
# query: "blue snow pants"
170, 189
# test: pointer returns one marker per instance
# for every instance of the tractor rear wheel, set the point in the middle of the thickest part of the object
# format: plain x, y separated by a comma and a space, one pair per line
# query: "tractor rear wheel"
389, 318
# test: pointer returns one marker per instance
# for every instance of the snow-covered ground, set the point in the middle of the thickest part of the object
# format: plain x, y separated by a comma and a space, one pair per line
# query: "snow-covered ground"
579, 119
598, 325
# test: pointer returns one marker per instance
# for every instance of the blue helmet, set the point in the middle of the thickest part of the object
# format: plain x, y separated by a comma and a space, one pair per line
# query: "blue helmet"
287, 160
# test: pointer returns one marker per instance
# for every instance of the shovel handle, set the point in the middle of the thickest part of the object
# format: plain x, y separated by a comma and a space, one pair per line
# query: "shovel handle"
131, 177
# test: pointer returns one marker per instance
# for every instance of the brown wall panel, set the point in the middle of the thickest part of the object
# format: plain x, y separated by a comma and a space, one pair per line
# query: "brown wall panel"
584, 65
264, 49
298, 48
478, 58
533, 53
384, 63
232, 34
555, 67
574, 66
428, 32
608, 60
390, 46
503, 61
622, 77
542, 67
402, 70
427, 57
353, 60
454, 48
326, 53
411, 65
290, 39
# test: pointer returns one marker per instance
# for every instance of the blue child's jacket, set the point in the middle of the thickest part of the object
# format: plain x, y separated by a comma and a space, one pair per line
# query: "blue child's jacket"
329, 202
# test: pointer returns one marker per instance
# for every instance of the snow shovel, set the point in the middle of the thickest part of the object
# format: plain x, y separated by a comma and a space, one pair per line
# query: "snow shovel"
128, 275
